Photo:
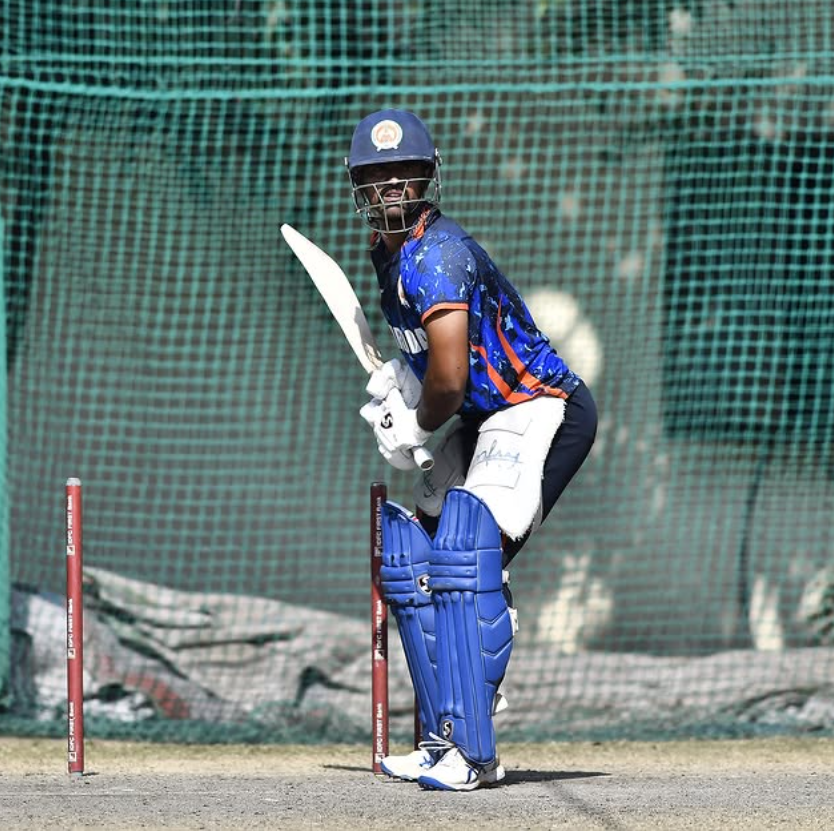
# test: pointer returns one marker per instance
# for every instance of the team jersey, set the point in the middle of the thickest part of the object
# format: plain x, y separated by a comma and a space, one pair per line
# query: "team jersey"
441, 267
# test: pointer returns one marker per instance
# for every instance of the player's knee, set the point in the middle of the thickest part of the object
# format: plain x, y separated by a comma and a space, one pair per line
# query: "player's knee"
467, 554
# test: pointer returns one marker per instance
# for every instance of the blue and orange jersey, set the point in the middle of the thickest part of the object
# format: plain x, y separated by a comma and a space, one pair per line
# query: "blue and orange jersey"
441, 267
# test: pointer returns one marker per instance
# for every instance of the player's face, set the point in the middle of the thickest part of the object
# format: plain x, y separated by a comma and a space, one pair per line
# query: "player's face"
392, 186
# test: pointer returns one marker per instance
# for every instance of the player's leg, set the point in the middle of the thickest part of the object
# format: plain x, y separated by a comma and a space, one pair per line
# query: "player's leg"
501, 500
474, 642
508, 462
406, 551
568, 451
451, 461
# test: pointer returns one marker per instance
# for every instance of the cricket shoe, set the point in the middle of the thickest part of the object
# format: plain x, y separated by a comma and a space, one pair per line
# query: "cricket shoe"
410, 767
455, 773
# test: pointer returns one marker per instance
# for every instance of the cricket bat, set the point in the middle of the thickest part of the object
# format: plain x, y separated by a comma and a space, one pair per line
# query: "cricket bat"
344, 305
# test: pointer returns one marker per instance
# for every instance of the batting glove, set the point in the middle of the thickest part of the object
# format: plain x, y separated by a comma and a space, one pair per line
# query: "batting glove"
395, 374
396, 429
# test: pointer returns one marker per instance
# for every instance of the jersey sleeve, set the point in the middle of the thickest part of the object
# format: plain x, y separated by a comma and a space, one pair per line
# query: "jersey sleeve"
440, 276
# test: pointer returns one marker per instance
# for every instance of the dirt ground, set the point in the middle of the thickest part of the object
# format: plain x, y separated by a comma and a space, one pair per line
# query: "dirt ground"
749, 784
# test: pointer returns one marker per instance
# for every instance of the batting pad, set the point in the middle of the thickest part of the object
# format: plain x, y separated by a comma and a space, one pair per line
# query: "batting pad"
404, 573
474, 628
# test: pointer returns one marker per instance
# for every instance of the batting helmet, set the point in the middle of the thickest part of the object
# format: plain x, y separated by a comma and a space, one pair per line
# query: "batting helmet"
393, 136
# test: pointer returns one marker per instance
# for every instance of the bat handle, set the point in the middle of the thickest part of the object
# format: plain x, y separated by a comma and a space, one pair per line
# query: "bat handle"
424, 458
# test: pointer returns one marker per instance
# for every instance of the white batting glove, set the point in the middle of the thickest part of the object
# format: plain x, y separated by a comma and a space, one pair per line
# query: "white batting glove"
372, 412
396, 429
395, 374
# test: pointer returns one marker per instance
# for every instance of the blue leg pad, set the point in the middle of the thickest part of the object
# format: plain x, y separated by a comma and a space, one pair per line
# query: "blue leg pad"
406, 551
474, 628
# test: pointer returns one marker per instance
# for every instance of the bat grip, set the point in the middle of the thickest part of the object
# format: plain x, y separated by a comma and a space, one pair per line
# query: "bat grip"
423, 457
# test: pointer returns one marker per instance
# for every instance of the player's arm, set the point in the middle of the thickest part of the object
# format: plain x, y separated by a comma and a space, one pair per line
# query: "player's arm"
447, 374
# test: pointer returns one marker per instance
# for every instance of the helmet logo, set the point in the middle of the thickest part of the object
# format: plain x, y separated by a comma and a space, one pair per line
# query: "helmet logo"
386, 135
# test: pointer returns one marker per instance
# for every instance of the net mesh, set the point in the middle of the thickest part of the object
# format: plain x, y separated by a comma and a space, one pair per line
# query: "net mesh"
654, 177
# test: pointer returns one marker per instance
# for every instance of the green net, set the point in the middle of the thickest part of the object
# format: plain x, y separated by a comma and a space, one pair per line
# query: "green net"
655, 177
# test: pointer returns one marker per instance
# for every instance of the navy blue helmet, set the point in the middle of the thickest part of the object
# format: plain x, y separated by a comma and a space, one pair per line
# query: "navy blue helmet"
399, 138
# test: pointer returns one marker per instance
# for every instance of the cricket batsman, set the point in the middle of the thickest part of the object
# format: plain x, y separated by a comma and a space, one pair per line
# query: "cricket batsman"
518, 424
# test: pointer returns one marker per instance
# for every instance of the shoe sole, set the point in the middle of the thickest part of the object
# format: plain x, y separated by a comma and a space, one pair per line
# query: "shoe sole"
397, 777
493, 777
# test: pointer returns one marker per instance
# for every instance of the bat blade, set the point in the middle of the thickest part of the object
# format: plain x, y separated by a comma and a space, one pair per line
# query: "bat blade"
338, 294
344, 305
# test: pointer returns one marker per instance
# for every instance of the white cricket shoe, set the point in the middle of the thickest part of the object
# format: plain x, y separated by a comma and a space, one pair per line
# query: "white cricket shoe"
409, 767
455, 773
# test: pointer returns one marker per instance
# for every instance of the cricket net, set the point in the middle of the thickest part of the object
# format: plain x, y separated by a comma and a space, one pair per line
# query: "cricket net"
655, 177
